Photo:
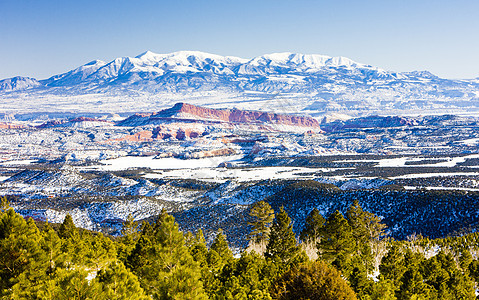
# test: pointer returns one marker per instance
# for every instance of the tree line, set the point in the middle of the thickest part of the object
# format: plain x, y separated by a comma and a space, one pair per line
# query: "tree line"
339, 257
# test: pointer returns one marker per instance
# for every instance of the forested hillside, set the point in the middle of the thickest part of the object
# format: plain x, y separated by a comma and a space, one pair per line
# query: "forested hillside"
341, 257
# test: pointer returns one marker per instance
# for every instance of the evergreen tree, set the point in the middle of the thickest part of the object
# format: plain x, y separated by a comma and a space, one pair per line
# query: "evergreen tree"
26, 282
262, 215
19, 249
412, 284
68, 228
130, 228
198, 249
474, 270
117, 282
51, 246
366, 226
129, 237
312, 281
163, 264
313, 227
254, 273
96, 250
220, 246
441, 273
392, 265
68, 284
4, 204
337, 243
218, 258
360, 283
209, 262
367, 231
282, 246
465, 260
383, 290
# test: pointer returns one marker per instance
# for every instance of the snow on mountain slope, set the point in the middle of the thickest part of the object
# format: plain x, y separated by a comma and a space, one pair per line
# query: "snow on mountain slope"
75, 76
293, 82
18, 83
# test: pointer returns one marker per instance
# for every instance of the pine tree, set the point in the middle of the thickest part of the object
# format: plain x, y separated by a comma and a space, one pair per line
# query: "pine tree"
198, 249
129, 237
97, 250
163, 264
51, 246
117, 282
67, 228
209, 262
282, 246
19, 249
254, 274
357, 219
359, 282
383, 290
262, 215
392, 265
313, 227
68, 284
337, 242
465, 260
412, 285
367, 231
474, 270
312, 281
441, 273
4, 204
220, 246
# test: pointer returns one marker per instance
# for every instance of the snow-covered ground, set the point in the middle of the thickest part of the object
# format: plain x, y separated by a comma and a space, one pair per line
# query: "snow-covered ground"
18, 162
241, 174
441, 188
135, 162
400, 162
442, 174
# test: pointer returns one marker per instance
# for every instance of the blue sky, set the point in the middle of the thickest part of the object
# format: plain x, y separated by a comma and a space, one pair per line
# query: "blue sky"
40, 38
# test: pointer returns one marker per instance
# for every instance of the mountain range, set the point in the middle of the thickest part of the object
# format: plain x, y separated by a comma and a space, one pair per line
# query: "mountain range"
279, 82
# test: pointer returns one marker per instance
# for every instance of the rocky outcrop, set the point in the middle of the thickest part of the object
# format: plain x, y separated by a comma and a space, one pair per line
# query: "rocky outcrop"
142, 136
210, 153
86, 119
11, 126
160, 133
76, 122
192, 113
370, 122
51, 124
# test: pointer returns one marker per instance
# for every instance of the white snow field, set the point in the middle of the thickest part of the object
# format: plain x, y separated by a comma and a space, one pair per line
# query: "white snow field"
135, 162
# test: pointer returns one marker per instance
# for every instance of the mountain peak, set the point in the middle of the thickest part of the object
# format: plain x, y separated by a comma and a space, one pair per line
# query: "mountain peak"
311, 82
95, 62
303, 61
146, 53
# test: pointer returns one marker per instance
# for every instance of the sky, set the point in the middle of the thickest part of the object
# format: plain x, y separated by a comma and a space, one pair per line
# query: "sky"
41, 38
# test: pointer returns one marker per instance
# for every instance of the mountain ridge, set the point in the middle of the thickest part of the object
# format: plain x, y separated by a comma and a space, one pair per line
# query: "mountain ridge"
308, 83
147, 59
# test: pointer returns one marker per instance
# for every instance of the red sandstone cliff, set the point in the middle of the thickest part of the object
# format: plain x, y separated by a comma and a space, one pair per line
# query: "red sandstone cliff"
11, 126
190, 112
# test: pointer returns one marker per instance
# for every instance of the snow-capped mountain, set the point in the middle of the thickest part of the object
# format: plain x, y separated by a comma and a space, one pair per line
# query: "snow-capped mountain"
291, 82
18, 83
